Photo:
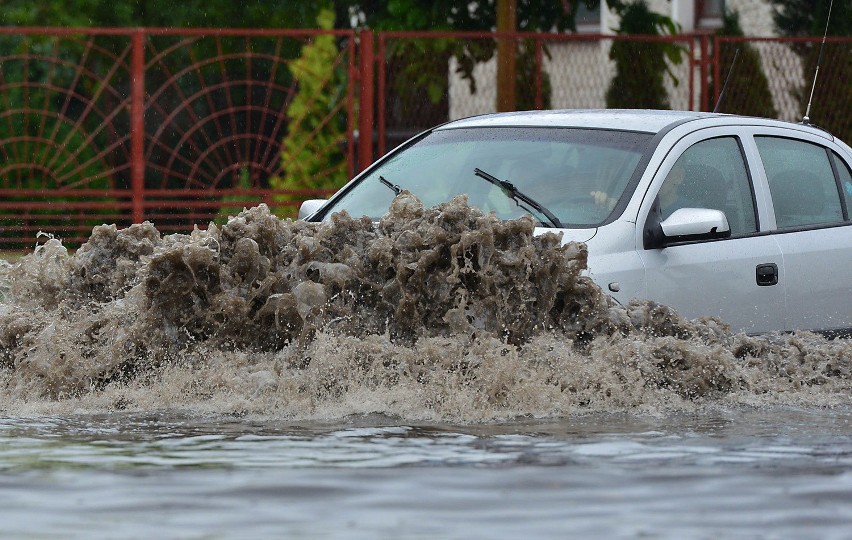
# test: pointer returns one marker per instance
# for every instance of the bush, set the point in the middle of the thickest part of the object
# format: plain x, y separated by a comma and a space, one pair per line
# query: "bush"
641, 67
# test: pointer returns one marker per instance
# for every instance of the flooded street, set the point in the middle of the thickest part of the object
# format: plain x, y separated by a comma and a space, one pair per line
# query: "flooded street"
745, 473
441, 375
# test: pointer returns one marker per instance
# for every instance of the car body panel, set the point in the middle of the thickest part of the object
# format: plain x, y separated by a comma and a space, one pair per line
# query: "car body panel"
649, 121
570, 235
615, 264
818, 288
719, 282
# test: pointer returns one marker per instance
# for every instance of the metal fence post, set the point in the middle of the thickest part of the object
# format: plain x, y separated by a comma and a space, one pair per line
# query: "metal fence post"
366, 100
137, 126
381, 101
539, 68
705, 65
717, 69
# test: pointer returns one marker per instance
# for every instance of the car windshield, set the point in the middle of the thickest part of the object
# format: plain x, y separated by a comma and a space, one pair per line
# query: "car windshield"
576, 175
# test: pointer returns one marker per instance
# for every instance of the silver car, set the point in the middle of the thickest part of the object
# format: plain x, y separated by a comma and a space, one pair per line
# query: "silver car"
743, 218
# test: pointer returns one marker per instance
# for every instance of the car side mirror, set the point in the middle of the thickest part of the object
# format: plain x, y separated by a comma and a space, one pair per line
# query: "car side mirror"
686, 224
310, 207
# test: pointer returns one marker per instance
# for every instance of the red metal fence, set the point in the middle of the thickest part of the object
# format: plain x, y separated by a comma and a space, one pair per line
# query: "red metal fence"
176, 127
182, 127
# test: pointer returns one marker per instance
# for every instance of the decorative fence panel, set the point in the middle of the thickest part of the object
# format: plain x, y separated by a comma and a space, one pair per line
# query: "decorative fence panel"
64, 133
174, 126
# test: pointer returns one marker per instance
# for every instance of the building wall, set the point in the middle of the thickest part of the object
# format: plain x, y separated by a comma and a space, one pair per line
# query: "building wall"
755, 17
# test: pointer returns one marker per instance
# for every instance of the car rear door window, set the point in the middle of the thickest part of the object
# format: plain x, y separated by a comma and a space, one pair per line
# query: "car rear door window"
801, 182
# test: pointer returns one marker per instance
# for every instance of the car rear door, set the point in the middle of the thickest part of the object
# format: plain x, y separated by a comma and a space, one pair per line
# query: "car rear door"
739, 279
811, 187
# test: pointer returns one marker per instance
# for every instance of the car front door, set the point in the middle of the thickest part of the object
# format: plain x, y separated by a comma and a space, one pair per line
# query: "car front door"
739, 278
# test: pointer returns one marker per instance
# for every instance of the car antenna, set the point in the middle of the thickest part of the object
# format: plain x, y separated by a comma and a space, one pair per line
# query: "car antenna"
728, 78
806, 120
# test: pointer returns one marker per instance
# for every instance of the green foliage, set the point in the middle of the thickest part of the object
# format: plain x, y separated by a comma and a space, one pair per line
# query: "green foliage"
641, 66
48, 165
56, 147
81, 13
213, 77
417, 69
748, 88
420, 65
532, 15
49, 140
33, 165
166, 13
312, 156
831, 107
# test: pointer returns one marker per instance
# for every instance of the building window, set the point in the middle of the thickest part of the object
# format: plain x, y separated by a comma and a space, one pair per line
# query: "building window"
709, 13
588, 20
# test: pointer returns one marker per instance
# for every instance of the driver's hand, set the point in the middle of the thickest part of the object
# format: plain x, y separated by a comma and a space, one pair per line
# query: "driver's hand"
603, 200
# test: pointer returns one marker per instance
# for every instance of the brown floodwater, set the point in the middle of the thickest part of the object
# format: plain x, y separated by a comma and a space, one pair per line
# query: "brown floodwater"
442, 374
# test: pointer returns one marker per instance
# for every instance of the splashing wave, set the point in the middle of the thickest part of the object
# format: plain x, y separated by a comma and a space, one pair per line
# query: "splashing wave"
436, 313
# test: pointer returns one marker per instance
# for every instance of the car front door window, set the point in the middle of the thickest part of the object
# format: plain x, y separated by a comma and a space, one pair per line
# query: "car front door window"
711, 174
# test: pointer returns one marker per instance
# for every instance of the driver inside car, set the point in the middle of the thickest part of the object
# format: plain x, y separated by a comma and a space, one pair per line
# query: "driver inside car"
691, 185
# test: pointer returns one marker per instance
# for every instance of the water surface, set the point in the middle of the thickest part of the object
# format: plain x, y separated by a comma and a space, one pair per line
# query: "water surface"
748, 473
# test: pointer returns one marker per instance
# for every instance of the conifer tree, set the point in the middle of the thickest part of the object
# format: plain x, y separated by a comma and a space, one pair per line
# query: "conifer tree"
748, 89
312, 155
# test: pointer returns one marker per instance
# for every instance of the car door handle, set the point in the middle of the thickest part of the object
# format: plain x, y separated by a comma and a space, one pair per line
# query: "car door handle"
767, 274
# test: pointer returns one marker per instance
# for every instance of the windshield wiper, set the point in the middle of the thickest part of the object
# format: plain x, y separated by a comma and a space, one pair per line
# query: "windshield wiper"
396, 189
516, 195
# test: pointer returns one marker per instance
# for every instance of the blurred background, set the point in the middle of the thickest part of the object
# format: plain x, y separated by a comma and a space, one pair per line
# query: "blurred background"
182, 113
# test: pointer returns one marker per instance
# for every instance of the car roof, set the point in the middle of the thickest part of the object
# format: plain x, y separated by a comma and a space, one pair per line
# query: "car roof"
648, 121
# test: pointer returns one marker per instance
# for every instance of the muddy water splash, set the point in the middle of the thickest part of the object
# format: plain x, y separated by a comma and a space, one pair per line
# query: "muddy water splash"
436, 313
